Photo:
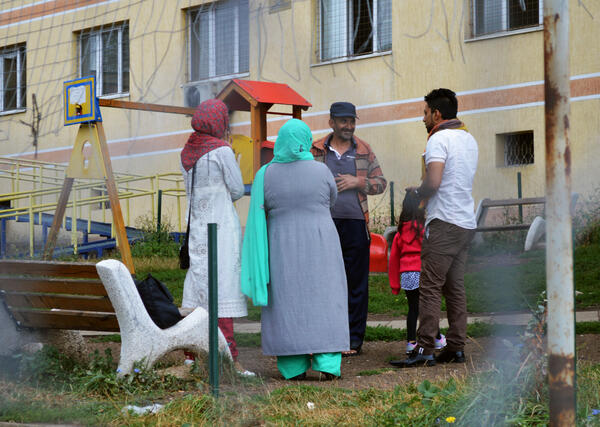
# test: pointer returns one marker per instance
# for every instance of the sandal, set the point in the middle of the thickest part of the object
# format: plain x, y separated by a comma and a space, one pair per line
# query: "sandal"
352, 352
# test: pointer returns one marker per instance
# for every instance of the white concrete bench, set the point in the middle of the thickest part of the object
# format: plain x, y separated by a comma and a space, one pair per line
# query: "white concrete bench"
141, 340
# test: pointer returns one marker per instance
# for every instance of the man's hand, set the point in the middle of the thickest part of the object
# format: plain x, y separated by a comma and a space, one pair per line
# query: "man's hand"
347, 182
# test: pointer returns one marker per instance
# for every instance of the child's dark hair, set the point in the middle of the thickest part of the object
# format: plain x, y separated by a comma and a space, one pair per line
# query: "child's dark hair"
412, 212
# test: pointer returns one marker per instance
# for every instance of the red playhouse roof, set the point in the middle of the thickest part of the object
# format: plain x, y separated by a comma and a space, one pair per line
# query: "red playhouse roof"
241, 94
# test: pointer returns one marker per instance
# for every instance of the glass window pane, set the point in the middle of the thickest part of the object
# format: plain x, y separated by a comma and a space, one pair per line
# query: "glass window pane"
362, 27
523, 13
110, 62
489, 16
225, 37
199, 45
9, 79
125, 56
88, 56
384, 24
23, 71
244, 51
334, 28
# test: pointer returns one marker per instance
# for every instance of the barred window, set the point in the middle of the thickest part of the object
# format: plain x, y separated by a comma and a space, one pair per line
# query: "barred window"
104, 54
517, 148
12, 78
494, 16
218, 39
354, 27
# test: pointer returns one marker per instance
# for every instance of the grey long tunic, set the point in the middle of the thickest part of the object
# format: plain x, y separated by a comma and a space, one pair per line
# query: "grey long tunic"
308, 303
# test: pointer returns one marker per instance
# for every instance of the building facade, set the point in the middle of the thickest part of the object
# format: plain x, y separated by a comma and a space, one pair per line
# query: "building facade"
381, 55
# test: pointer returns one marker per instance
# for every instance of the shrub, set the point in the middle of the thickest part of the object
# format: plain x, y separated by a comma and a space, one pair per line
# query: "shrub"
156, 241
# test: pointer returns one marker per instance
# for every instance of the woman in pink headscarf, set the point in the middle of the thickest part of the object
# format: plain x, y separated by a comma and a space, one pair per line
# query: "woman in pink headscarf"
208, 161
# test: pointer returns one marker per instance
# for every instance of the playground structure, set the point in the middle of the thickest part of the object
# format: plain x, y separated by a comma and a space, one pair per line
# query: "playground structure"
33, 196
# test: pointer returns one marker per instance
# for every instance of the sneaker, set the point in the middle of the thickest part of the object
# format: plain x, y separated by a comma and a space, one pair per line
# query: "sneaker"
410, 346
441, 343
416, 358
190, 358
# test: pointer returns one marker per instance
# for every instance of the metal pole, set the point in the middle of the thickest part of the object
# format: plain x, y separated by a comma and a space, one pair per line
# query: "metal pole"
559, 252
213, 311
392, 214
159, 209
520, 196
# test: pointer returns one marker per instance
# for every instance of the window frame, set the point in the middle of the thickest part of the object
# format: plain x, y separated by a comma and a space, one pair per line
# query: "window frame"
504, 31
347, 28
212, 55
97, 35
20, 52
503, 154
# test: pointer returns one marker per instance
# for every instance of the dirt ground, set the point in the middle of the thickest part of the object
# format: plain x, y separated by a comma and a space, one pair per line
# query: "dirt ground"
371, 368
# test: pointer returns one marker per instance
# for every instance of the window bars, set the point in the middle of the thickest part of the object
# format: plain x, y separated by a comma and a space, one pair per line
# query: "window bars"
349, 28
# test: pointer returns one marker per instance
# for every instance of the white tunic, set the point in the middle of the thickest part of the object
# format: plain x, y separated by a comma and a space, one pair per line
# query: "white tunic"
217, 183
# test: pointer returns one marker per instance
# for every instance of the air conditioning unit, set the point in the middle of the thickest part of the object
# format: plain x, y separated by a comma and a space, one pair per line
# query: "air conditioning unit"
195, 93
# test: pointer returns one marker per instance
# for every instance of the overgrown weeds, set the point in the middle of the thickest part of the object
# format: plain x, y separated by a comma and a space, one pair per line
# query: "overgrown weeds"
50, 368
156, 241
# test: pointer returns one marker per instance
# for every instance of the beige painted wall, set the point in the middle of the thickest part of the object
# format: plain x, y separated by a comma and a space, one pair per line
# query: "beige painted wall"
429, 51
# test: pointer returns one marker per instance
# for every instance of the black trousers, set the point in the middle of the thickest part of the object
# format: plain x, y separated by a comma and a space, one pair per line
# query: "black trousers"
355, 242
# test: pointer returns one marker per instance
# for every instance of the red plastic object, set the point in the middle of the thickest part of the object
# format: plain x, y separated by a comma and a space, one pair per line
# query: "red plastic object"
272, 93
378, 261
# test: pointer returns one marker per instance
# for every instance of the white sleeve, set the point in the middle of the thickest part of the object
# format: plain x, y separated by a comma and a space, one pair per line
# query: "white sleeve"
231, 173
437, 150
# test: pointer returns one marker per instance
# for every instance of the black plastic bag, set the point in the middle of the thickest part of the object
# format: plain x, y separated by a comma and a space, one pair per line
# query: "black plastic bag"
158, 302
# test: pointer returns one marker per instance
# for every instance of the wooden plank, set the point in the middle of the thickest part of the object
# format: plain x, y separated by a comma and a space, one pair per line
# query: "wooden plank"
143, 106
509, 227
61, 206
514, 202
48, 268
115, 206
64, 302
66, 319
52, 285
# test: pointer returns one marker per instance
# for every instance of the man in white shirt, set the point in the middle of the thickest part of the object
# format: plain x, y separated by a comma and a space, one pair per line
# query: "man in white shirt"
451, 162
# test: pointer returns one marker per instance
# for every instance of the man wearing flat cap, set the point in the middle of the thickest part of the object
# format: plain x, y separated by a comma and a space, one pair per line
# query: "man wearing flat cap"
357, 174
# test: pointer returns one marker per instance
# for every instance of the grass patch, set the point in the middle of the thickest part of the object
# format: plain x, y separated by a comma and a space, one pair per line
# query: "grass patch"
587, 328
243, 339
106, 338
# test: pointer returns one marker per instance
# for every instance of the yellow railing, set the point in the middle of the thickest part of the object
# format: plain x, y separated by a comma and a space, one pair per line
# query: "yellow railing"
35, 187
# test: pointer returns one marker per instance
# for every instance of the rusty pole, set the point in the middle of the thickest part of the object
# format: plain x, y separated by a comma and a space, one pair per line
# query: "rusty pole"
559, 248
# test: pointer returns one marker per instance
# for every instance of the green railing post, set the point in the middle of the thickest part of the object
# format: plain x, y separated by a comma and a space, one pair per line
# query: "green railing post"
213, 311
392, 214
520, 196
159, 210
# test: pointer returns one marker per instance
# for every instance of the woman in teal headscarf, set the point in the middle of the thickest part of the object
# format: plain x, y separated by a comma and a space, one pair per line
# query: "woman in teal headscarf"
292, 263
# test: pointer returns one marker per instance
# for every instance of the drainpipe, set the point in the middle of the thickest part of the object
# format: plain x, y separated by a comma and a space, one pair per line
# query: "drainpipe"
559, 248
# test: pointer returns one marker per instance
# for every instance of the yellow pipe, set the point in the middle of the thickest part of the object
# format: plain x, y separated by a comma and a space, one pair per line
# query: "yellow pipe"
74, 223
30, 227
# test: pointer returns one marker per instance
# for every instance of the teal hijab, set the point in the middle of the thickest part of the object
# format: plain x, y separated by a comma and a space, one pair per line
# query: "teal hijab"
293, 143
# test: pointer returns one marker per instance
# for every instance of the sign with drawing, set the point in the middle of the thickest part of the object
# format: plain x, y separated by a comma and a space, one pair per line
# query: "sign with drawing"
81, 104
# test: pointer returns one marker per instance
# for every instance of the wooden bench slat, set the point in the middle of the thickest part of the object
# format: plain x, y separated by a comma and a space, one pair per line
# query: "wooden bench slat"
487, 203
49, 268
66, 319
51, 285
64, 302
508, 227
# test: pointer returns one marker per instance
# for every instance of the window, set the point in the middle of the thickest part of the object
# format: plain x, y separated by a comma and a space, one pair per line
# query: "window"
104, 53
515, 149
218, 34
354, 27
495, 16
12, 78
